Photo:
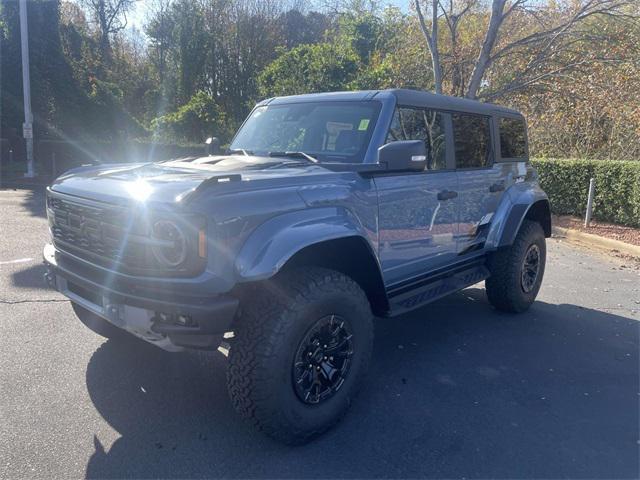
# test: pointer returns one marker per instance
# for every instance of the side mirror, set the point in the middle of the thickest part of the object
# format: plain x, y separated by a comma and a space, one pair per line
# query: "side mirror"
213, 146
403, 156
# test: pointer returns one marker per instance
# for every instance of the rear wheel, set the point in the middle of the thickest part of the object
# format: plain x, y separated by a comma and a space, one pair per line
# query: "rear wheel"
301, 348
97, 324
517, 271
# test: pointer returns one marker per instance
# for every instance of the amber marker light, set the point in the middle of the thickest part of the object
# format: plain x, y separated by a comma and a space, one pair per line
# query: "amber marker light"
202, 243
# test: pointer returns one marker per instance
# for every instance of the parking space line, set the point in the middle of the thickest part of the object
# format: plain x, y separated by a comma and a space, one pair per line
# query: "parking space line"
19, 260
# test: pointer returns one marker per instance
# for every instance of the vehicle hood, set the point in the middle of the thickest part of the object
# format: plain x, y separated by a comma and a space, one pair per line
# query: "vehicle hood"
174, 181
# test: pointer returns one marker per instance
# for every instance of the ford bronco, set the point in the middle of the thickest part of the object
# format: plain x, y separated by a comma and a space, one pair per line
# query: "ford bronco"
325, 211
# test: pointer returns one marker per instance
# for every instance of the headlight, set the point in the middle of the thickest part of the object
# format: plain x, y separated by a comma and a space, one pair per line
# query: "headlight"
171, 248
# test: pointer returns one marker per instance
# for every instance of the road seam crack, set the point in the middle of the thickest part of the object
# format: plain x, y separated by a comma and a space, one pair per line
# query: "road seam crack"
45, 300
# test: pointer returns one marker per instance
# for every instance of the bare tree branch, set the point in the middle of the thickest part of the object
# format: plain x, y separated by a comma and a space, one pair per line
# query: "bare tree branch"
431, 37
452, 20
587, 10
520, 84
546, 40
111, 17
484, 59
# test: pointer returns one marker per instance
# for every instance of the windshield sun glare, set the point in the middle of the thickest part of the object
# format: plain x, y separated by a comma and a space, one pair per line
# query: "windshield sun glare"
327, 131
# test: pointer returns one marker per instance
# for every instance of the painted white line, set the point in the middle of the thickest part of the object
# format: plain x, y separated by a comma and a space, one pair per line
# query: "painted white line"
19, 260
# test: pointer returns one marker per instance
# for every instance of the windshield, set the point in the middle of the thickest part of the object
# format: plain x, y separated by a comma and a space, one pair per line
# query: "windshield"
328, 131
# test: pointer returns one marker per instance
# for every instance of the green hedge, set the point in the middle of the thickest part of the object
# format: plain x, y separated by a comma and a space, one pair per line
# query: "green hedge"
617, 194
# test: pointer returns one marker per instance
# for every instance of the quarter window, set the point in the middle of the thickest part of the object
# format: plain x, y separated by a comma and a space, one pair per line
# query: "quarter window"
513, 138
472, 139
425, 125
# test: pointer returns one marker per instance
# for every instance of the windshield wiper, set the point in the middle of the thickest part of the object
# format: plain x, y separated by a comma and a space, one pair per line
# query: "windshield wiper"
246, 153
306, 156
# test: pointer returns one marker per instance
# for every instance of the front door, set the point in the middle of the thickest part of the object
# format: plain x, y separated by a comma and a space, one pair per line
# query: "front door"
418, 212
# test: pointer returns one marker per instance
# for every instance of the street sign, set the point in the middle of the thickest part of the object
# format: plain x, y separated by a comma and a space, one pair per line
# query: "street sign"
27, 131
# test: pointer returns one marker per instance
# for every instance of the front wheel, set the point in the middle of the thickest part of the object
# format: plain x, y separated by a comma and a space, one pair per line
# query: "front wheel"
301, 348
517, 271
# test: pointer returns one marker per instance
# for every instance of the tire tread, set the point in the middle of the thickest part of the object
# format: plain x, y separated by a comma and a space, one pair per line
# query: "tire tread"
503, 286
265, 318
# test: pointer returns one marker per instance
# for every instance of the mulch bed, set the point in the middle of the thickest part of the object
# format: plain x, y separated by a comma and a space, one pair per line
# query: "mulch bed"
609, 230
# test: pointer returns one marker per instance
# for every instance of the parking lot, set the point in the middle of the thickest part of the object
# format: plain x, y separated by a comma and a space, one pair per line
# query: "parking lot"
455, 389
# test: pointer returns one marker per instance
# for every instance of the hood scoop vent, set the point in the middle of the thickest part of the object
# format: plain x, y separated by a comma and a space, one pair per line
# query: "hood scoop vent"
217, 179
232, 177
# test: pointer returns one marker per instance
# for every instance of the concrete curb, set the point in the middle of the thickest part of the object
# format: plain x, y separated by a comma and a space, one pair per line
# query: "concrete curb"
596, 241
25, 183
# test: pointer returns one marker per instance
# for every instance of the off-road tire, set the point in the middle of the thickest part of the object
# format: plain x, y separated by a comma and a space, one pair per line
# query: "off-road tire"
504, 286
276, 315
97, 324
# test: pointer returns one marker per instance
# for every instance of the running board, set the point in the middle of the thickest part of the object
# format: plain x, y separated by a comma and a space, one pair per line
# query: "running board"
435, 289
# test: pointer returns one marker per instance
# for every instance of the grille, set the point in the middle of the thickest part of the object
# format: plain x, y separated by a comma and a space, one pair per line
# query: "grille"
100, 233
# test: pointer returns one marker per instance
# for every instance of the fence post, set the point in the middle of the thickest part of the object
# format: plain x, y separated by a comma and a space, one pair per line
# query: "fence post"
592, 188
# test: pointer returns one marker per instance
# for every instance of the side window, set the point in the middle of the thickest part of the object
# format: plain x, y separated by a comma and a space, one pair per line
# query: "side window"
472, 139
436, 140
425, 125
513, 138
396, 132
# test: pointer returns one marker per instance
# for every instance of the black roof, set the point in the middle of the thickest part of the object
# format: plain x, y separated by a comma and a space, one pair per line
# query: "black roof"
420, 98
406, 97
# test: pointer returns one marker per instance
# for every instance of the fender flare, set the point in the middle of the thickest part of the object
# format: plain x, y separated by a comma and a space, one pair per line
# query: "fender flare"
516, 204
278, 239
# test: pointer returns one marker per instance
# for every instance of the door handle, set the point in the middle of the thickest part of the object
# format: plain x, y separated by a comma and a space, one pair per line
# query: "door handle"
497, 187
447, 195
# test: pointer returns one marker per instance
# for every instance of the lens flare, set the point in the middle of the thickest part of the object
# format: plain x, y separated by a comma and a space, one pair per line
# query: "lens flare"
139, 190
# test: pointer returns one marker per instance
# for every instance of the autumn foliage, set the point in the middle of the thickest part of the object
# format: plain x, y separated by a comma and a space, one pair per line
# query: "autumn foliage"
571, 66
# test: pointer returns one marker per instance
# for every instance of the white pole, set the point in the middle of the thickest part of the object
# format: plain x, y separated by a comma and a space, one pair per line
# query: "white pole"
27, 126
592, 188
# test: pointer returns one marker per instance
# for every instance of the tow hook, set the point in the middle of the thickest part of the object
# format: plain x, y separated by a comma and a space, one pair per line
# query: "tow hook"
50, 279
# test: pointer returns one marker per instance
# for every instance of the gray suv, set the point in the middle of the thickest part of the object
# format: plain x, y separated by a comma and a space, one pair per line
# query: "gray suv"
325, 211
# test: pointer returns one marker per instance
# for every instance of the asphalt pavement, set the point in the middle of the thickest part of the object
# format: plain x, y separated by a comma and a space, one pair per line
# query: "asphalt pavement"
456, 389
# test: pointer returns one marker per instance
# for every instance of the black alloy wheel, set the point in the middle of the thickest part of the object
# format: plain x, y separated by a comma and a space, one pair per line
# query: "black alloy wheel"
323, 359
530, 268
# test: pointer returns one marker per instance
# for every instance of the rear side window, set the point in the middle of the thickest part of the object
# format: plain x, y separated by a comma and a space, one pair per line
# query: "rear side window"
425, 125
472, 139
513, 138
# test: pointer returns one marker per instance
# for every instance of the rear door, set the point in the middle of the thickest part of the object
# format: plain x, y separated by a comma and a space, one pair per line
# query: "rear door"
481, 181
418, 212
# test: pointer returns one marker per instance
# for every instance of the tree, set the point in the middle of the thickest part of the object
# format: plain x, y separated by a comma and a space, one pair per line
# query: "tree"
297, 27
111, 18
593, 112
431, 38
361, 31
551, 30
219, 47
52, 83
571, 66
159, 29
323, 67
200, 118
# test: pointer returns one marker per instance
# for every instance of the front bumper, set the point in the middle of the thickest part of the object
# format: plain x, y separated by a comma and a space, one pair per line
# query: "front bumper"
138, 311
